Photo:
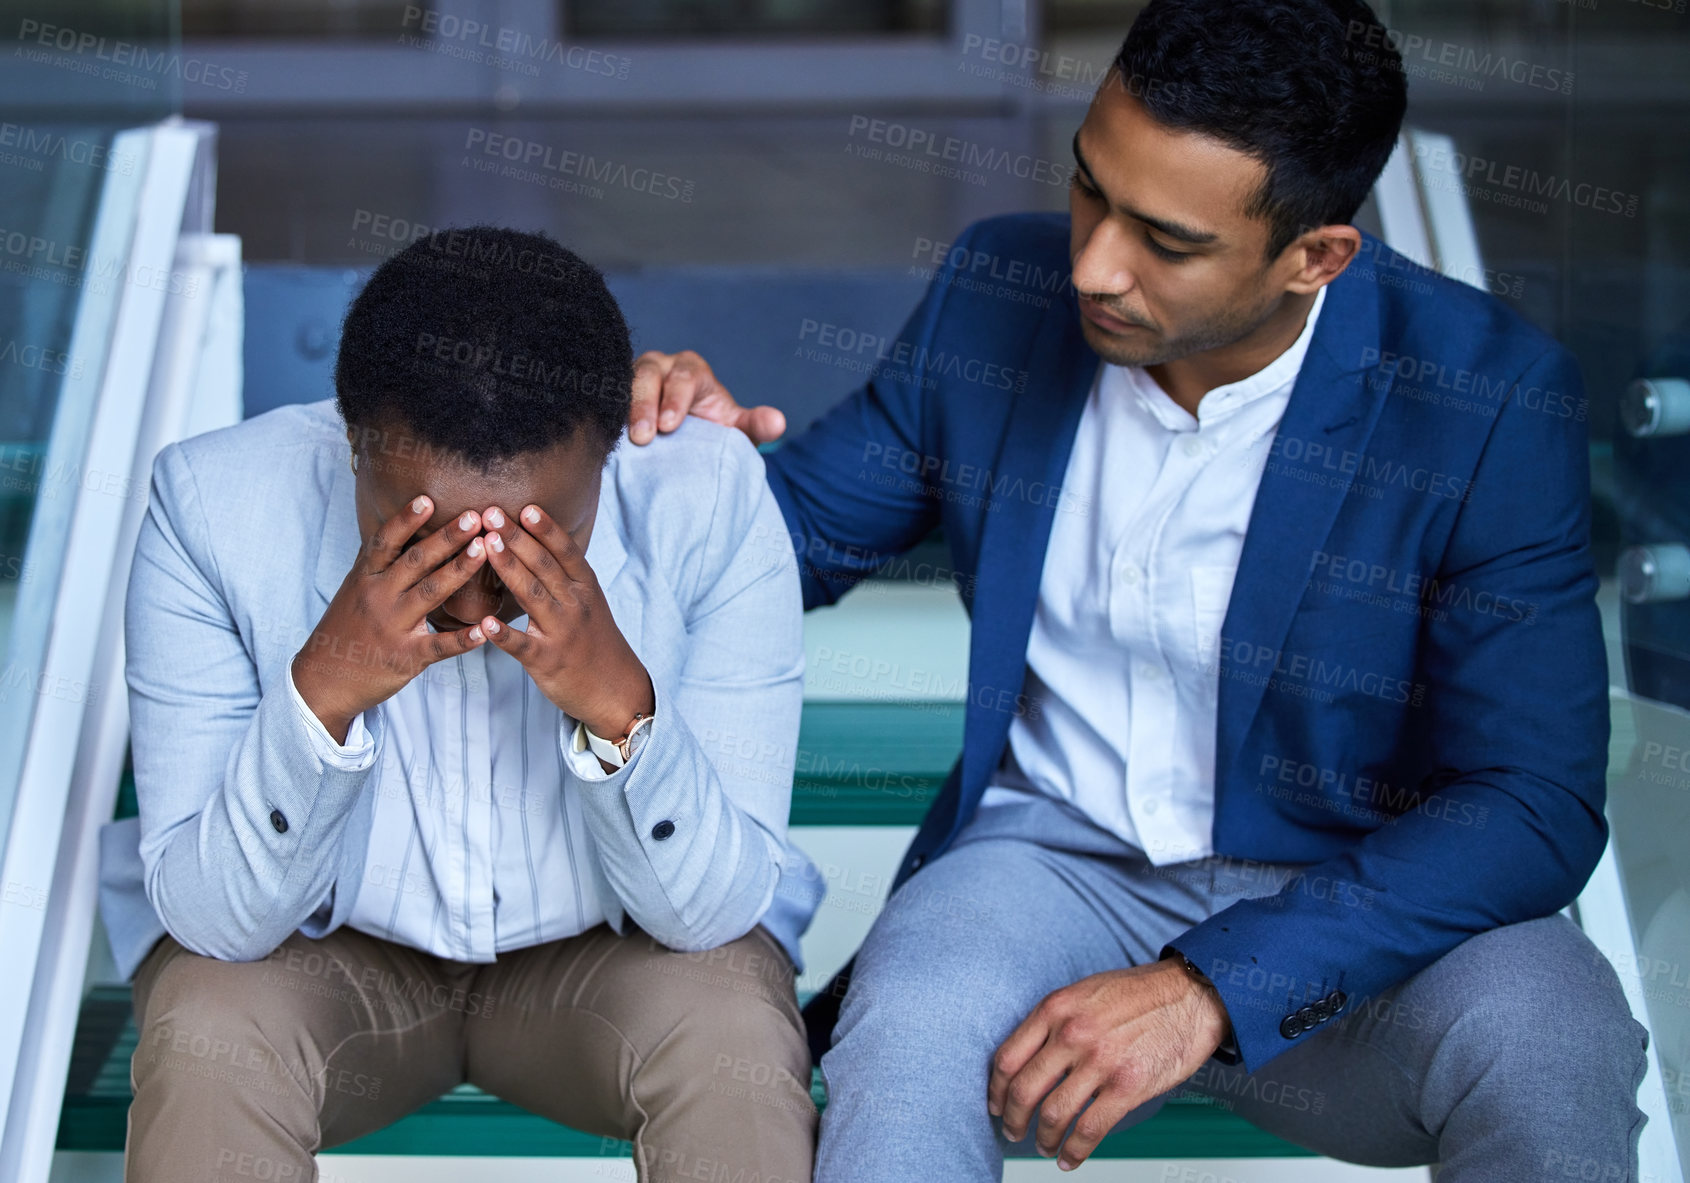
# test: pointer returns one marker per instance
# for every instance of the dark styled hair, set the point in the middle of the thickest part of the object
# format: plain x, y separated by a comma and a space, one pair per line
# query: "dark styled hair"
486, 343
1314, 89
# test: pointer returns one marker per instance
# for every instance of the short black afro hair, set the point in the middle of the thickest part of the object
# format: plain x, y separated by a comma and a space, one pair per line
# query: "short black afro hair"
486, 343
1314, 89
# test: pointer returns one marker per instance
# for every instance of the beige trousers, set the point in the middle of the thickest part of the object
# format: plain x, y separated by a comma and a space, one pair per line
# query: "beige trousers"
245, 1069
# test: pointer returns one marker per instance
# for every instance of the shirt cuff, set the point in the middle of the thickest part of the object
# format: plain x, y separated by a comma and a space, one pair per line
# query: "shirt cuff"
355, 755
585, 764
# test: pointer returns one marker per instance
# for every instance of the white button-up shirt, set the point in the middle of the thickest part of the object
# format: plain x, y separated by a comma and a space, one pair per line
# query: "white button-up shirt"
475, 847
1121, 661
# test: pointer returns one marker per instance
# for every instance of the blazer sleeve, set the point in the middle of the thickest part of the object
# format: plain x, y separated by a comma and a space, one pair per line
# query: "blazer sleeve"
243, 796
844, 524
691, 831
1517, 723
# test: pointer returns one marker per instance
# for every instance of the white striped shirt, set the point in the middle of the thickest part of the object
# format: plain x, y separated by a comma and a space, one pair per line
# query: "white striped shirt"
475, 848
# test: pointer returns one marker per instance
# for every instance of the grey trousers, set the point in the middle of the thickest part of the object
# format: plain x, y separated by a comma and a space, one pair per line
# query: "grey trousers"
1513, 1057
244, 1069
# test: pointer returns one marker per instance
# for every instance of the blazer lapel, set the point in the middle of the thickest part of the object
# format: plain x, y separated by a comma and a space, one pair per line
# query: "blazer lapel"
1031, 464
1327, 423
607, 555
340, 540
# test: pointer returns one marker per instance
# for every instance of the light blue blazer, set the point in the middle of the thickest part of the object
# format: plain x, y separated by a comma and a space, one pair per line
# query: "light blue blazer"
248, 534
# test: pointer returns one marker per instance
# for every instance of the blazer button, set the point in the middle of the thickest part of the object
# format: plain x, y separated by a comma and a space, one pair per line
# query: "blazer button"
1306, 1016
1337, 998
1289, 1027
278, 821
915, 863
662, 830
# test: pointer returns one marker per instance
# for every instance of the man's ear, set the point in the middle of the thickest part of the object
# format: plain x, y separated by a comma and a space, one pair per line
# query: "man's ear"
1319, 256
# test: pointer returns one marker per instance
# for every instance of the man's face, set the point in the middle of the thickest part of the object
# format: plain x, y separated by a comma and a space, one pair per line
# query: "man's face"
1166, 263
563, 480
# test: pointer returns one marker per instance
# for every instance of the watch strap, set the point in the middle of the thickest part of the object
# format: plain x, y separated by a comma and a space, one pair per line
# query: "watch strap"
602, 748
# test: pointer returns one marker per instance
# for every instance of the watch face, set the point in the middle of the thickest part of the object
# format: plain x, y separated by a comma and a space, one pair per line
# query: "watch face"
636, 737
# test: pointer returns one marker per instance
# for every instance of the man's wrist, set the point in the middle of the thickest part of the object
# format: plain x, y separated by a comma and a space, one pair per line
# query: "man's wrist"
338, 725
1226, 1050
612, 721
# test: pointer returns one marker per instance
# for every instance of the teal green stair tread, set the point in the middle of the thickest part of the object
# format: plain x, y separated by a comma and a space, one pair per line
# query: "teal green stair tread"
873, 763
485, 1126
127, 805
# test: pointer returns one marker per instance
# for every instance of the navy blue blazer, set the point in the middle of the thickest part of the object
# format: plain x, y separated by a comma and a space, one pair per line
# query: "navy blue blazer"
1413, 693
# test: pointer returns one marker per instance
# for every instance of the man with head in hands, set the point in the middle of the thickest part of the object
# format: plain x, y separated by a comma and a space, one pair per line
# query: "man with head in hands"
441, 704
1287, 714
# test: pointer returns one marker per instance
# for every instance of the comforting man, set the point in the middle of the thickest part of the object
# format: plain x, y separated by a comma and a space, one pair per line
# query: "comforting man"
428, 687
1287, 718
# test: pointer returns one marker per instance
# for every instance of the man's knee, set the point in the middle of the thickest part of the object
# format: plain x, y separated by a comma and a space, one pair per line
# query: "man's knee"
926, 979
919, 1015
1570, 1162
735, 1016
247, 1164
732, 1024
211, 1026
1540, 990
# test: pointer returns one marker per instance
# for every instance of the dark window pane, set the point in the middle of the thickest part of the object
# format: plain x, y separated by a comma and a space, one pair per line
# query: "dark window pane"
742, 18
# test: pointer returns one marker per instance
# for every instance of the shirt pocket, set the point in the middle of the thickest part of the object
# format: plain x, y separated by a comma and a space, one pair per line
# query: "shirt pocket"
1211, 591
